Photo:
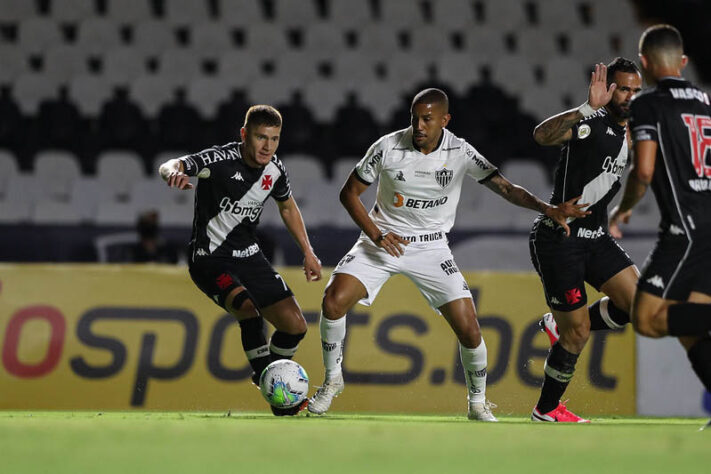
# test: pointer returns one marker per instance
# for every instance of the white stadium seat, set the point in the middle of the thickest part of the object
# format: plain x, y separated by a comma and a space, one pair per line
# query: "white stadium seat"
185, 12
72, 10
55, 173
117, 171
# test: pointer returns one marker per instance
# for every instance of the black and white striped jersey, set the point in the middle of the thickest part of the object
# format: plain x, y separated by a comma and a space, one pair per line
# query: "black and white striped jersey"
591, 164
229, 199
677, 115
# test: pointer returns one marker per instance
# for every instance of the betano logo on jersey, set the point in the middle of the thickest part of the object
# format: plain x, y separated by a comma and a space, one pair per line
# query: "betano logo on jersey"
399, 201
250, 209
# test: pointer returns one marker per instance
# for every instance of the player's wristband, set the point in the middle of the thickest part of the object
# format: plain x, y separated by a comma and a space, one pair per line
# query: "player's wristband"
587, 110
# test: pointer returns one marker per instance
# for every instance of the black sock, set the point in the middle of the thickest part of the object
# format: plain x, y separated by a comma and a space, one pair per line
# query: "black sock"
700, 357
283, 345
559, 369
254, 343
605, 315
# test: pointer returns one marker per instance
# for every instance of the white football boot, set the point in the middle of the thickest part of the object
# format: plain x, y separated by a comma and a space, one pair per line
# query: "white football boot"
481, 411
321, 401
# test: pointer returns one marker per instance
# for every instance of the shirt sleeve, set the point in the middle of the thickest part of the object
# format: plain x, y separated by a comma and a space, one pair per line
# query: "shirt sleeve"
478, 167
368, 169
643, 120
193, 164
282, 188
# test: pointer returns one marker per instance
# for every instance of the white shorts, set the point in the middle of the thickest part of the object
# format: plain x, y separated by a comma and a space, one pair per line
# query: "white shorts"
429, 265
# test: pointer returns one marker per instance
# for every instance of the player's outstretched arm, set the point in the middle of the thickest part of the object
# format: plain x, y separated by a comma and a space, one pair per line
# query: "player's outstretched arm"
521, 197
641, 172
350, 199
291, 215
557, 130
173, 173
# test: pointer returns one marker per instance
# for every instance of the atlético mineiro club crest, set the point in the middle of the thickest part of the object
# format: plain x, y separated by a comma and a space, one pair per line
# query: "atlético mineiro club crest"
267, 182
443, 177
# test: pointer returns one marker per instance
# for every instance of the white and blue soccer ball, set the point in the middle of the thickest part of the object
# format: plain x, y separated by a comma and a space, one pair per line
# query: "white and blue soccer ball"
284, 384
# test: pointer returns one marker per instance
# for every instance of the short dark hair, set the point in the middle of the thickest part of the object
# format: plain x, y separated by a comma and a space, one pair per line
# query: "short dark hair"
660, 38
258, 115
431, 96
620, 65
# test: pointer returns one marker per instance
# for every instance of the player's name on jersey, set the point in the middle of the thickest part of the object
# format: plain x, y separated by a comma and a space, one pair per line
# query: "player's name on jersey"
689, 93
214, 155
700, 184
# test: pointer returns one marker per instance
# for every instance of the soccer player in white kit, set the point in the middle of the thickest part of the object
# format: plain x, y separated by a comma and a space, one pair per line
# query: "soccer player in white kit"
420, 171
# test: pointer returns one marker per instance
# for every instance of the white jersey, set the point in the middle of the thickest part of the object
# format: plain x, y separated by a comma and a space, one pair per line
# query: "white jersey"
418, 193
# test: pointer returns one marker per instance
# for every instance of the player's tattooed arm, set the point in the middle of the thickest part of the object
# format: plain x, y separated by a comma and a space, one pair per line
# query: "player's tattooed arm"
521, 197
557, 130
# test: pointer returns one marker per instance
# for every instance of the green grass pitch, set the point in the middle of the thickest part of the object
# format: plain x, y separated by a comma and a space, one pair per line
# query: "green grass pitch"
151, 442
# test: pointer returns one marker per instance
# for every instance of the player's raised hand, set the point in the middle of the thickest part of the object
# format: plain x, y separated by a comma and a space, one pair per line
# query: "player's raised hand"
312, 267
599, 94
614, 224
392, 243
179, 180
564, 210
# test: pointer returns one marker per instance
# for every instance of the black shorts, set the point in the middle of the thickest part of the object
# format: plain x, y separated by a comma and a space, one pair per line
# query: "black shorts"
566, 263
218, 276
677, 266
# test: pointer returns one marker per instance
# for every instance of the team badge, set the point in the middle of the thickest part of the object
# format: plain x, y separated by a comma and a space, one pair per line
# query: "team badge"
444, 177
584, 131
267, 182
400, 176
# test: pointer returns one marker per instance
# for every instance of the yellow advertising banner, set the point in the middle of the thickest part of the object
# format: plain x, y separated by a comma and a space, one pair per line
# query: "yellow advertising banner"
126, 337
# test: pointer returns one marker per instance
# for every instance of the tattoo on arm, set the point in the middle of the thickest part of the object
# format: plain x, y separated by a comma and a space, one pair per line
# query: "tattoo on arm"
515, 194
557, 129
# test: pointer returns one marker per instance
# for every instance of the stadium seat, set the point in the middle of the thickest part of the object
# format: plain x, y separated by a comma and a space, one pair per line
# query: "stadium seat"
325, 37
542, 102
129, 11
185, 12
504, 15
428, 42
36, 34
178, 67
580, 46
378, 39
514, 73
150, 93
397, 14
266, 40
85, 194
72, 10
530, 174
8, 170
488, 42
493, 253
54, 173
383, 97
89, 93
112, 213
239, 67
403, 73
14, 11
270, 90
98, 36
350, 14
62, 62
116, 172
207, 93
17, 199
353, 68
453, 14
153, 37
176, 207
240, 14
538, 45
567, 74
14, 63
323, 97
295, 13
554, 13
51, 212
123, 66
210, 39
459, 69
469, 208
298, 67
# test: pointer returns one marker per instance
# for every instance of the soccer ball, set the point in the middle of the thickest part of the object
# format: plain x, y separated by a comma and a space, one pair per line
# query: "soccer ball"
284, 384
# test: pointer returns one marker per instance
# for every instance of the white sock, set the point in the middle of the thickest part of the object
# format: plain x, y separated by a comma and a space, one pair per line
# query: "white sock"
333, 334
474, 362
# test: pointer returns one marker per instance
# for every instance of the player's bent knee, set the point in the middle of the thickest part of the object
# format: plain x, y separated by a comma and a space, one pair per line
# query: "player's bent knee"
334, 305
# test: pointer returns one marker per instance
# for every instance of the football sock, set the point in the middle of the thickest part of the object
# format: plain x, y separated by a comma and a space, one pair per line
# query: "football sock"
254, 343
474, 363
284, 345
558, 371
700, 357
333, 335
689, 319
605, 315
